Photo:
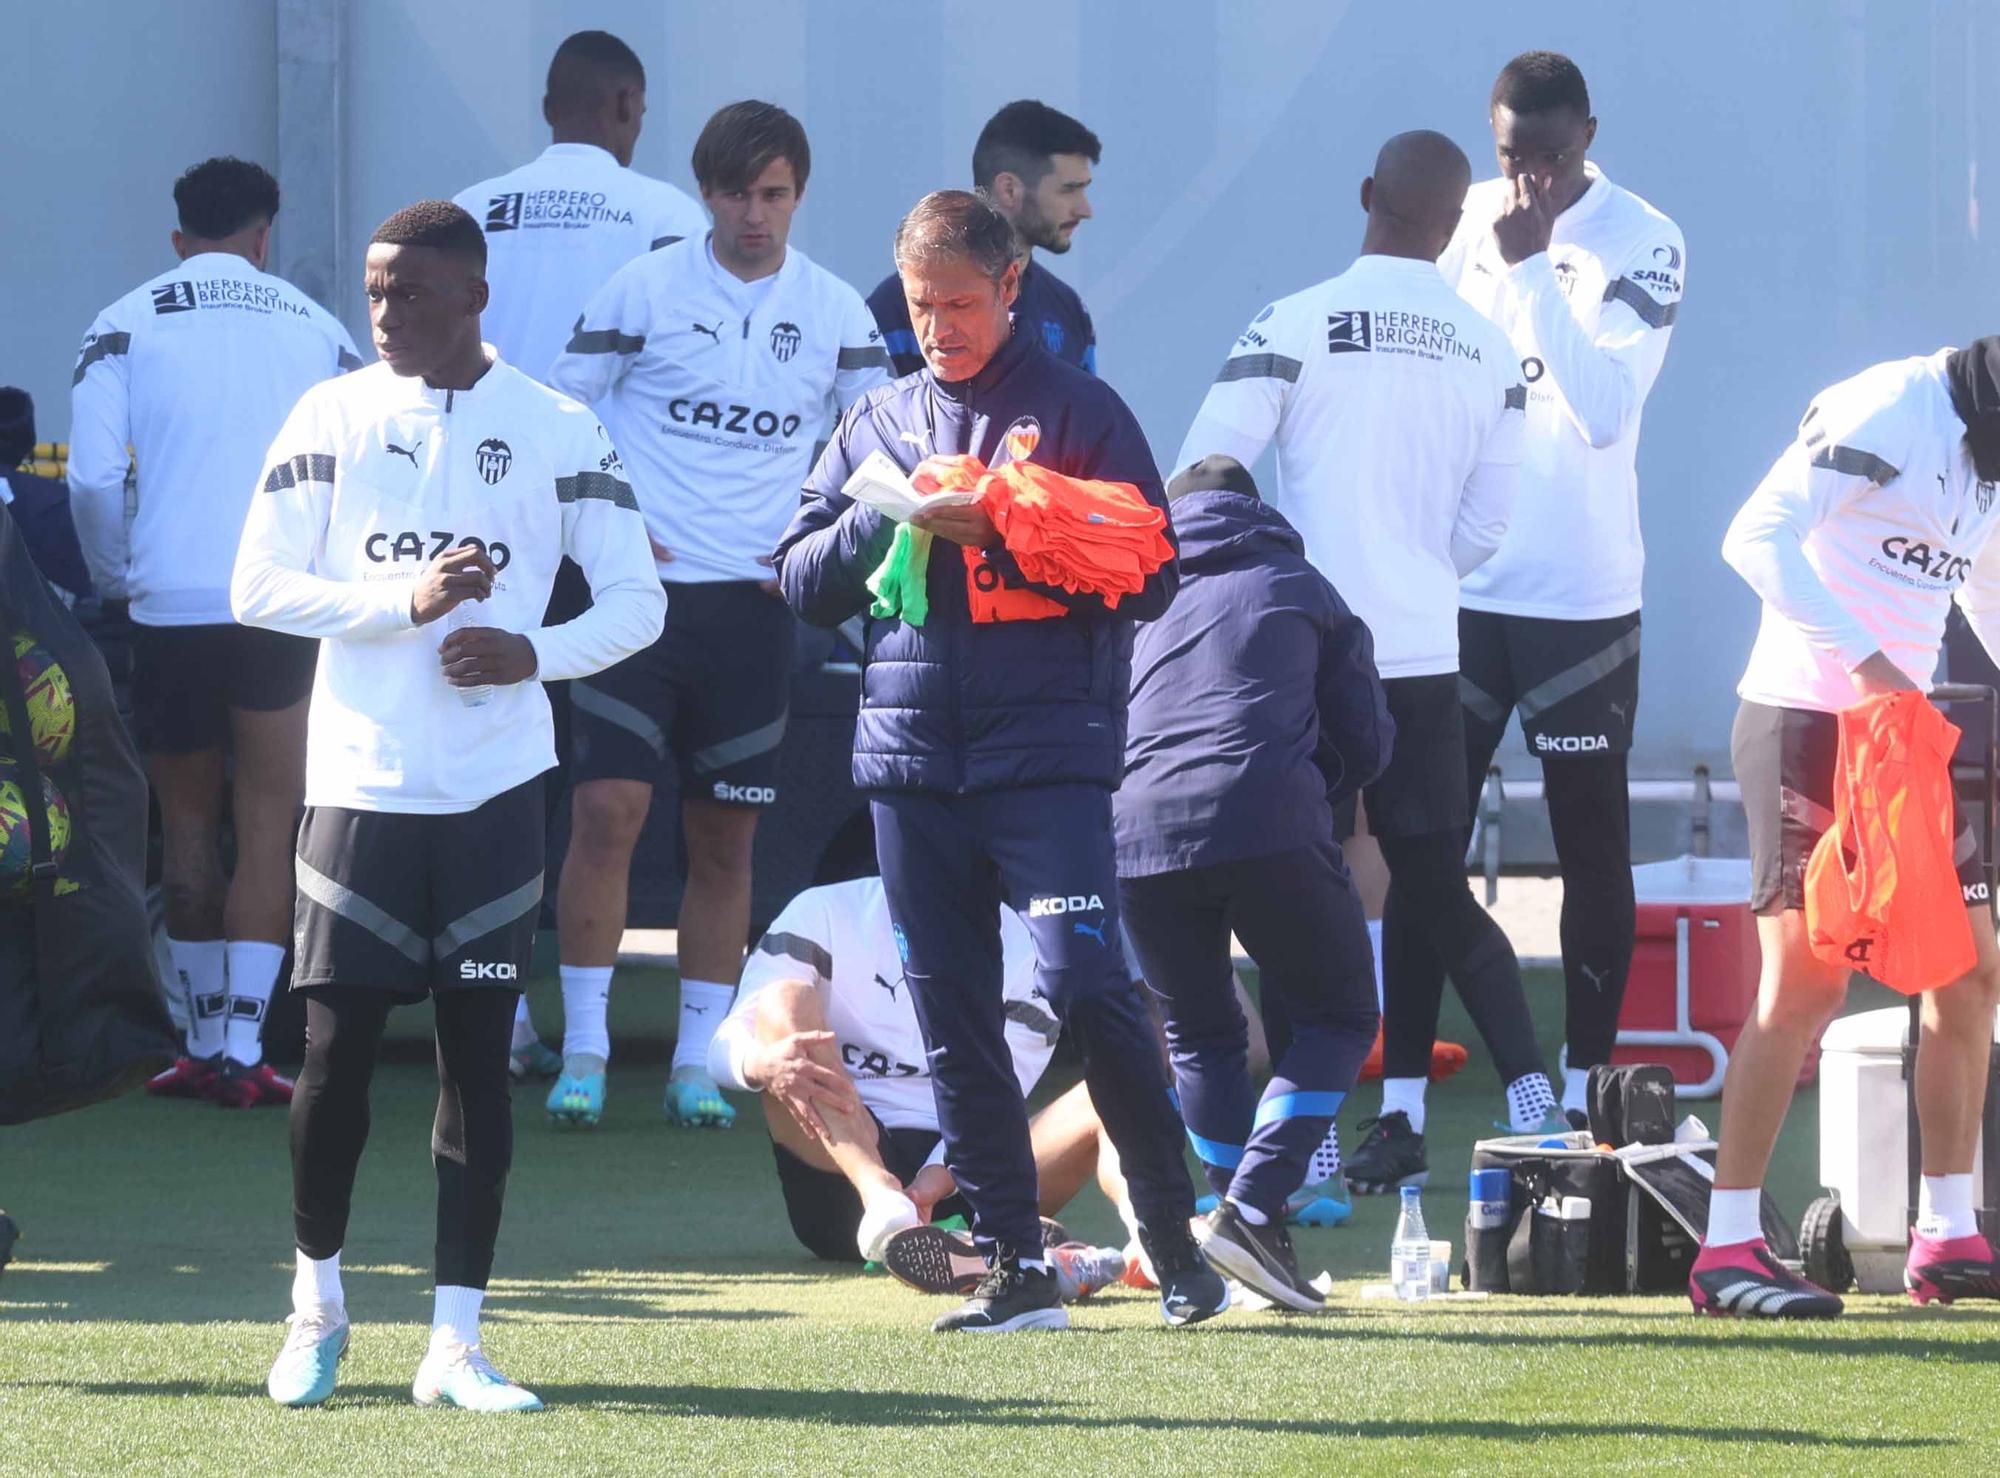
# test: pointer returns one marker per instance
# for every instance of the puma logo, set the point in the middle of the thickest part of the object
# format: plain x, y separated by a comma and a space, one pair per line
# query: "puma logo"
1595, 977
1091, 931
410, 452
1620, 710
697, 1010
702, 328
888, 985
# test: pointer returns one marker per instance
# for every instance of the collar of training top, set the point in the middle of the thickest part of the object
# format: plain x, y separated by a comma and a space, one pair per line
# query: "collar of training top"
580, 151
1017, 348
1973, 373
446, 400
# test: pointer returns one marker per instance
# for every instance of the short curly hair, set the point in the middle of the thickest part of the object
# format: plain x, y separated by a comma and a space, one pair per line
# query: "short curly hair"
434, 223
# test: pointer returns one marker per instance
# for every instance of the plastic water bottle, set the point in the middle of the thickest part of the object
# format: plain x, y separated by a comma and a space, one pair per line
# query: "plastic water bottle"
458, 618
1410, 1254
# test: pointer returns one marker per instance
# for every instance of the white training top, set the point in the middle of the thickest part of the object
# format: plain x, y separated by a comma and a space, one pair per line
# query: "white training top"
194, 371
1590, 319
373, 476
1859, 536
1397, 411
840, 939
556, 229
717, 391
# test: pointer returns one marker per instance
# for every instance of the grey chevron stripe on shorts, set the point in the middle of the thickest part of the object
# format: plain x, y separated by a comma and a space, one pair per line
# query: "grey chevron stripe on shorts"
483, 920
618, 711
722, 755
340, 899
1573, 680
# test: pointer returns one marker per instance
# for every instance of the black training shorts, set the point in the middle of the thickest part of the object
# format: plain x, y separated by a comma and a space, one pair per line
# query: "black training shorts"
186, 679
713, 691
1574, 683
825, 1209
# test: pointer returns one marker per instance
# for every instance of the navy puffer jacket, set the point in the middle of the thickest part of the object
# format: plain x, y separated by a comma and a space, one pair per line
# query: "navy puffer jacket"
951, 706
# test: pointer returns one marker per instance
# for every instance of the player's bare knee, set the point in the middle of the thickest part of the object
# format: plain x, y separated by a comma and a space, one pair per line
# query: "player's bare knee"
606, 817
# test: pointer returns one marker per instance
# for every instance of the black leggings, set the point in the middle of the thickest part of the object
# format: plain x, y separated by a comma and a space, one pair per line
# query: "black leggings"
1431, 926
472, 1140
1590, 820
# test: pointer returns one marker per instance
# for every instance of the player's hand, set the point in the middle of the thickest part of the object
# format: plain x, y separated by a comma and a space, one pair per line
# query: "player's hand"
661, 554
962, 523
1526, 222
484, 657
786, 1068
1877, 674
460, 574
770, 587
929, 1186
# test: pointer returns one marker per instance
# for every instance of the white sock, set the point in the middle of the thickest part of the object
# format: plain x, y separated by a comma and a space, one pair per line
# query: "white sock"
1944, 1206
1576, 1090
586, 993
524, 1026
1249, 1213
203, 966
316, 1285
1734, 1216
703, 1005
1375, 940
455, 1315
1405, 1096
253, 974
1325, 1162
1529, 1101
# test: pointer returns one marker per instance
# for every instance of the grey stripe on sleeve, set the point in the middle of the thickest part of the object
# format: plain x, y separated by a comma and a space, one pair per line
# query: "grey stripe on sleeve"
1259, 367
660, 241
101, 347
295, 471
871, 357
1649, 308
596, 485
1035, 1019
602, 340
1854, 462
348, 361
801, 950
1517, 398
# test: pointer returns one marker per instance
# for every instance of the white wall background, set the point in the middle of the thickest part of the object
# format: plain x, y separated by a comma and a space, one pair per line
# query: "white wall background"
1822, 156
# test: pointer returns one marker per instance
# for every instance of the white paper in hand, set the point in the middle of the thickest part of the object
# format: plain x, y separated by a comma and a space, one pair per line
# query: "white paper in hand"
881, 484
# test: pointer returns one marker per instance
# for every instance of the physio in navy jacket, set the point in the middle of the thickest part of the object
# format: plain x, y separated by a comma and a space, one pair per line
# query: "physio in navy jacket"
1255, 703
990, 752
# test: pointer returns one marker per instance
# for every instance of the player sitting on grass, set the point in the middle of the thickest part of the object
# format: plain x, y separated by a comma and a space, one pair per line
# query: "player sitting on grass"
824, 1030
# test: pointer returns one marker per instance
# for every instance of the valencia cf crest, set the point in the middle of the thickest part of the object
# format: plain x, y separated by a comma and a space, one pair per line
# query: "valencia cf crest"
495, 457
785, 341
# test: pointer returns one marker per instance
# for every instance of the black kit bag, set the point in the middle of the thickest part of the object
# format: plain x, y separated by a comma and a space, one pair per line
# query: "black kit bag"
82, 1016
1533, 1251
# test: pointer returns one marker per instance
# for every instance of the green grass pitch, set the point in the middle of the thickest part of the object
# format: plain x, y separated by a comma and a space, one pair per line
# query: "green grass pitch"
649, 1289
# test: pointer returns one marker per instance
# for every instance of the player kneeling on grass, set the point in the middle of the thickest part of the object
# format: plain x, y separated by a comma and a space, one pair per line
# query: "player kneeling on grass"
1874, 519
420, 857
825, 1030
1253, 698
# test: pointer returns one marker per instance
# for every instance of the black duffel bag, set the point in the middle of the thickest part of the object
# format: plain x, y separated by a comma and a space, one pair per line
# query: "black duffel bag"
82, 1016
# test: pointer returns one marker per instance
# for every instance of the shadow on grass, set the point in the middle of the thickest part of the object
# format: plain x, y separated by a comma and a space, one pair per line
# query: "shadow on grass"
1961, 1351
914, 1408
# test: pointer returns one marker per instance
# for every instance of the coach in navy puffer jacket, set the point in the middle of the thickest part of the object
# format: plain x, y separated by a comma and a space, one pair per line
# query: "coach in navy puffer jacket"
990, 751
948, 705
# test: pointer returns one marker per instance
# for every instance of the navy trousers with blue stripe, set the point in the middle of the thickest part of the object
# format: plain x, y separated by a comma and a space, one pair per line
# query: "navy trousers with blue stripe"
948, 864
1298, 915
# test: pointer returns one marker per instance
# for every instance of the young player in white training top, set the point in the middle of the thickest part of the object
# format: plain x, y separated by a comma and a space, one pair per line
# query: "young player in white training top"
192, 373
1586, 279
1872, 522
411, 519
714, 362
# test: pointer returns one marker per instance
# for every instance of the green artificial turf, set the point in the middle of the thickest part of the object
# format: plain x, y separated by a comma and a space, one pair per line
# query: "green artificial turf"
649, 1289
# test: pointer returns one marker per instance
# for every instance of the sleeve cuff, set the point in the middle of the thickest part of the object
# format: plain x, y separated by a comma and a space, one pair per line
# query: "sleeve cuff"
936, 1156
1535, 271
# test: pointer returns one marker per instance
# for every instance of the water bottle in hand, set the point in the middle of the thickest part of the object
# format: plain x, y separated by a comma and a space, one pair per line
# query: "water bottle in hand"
1410, 1254
458, 618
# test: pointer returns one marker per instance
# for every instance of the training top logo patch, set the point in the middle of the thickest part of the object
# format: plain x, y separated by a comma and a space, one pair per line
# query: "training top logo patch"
785, 341
495, 457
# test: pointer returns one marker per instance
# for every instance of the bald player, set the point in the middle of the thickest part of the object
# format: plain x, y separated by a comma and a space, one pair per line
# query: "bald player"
1397, 412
